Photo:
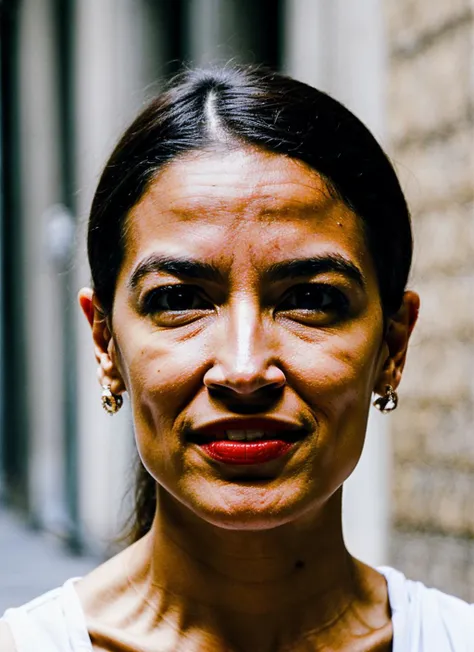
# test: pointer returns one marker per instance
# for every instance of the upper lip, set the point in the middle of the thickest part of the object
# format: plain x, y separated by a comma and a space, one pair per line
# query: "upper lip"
265, 424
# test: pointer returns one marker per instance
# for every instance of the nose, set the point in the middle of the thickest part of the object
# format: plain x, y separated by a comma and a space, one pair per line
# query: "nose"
244, 362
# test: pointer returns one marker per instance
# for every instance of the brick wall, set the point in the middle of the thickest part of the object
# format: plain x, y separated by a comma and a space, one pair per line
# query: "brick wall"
431, 126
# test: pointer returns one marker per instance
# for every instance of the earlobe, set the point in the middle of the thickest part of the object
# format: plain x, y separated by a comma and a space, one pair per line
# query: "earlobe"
399, 330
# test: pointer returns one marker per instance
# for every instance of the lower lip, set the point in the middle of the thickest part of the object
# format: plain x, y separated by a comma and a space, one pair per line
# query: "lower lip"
246, 452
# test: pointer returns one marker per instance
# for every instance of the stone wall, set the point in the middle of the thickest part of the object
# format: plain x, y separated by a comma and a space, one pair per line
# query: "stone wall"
430, 106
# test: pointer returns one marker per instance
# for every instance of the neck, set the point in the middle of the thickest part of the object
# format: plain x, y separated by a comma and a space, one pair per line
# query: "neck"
253, 581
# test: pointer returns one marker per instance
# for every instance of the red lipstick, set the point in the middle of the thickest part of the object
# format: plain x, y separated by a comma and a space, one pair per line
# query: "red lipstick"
275, 437
246, 452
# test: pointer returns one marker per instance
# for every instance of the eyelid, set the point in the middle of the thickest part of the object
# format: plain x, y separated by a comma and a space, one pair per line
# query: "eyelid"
333, 280
341, 302
154, 285
160, 291
328, 287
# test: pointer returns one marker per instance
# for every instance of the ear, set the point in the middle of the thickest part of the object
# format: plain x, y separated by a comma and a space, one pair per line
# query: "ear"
104, 345
399, 329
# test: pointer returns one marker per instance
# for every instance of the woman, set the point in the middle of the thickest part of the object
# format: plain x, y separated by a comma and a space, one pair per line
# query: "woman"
250, 246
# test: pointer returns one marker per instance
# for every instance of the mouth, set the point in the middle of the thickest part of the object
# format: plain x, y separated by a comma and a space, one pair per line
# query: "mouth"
247, 442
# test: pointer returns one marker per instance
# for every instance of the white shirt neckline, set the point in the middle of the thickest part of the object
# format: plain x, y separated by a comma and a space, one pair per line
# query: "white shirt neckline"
75, 617
81, 641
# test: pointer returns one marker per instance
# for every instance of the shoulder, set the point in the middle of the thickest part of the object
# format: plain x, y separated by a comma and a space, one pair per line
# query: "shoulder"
6, 638
47, 623
428, 616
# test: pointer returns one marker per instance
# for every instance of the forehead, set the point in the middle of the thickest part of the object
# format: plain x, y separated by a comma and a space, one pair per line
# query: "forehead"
218, 203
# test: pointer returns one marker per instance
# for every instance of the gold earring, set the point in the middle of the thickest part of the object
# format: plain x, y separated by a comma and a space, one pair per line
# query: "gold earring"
111, 402
388, 402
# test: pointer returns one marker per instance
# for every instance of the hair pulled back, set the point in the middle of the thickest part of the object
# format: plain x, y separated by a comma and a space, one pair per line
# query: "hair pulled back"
261, 108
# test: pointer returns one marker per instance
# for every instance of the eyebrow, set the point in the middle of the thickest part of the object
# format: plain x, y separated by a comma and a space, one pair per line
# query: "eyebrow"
298, 268
181, 267
285, 270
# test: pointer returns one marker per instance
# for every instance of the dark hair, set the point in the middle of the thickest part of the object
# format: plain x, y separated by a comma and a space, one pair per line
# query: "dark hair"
249, 106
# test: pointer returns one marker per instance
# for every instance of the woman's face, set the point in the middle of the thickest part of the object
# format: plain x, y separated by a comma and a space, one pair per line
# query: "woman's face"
247, 307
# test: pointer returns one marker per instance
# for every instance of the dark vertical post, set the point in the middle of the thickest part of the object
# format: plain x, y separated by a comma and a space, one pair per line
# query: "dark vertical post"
65, 40
2, 339
15, 386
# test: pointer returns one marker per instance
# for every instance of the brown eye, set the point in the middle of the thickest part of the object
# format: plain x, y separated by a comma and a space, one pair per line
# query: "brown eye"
174, 298
313, 297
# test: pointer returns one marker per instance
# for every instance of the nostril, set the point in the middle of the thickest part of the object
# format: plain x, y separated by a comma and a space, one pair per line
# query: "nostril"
256, 402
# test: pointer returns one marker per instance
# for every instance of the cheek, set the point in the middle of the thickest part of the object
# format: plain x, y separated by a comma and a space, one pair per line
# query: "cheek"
335, 374
162, 378
338, 384
162, 374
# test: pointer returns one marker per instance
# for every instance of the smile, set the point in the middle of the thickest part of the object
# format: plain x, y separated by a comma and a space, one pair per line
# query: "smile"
256, 441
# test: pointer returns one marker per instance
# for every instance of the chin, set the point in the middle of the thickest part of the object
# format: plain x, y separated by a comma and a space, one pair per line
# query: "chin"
252, 508
245, 521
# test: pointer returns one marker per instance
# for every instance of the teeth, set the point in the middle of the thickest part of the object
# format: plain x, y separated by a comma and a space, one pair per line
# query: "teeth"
236, 435
254, 434
244, 435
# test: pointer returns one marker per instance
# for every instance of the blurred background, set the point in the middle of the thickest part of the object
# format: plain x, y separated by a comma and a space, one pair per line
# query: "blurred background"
72, 75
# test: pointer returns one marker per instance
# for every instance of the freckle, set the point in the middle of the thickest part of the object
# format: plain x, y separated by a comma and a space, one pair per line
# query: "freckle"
299, 564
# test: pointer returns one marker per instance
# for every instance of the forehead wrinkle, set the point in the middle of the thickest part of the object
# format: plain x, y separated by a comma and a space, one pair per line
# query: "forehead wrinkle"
265, 181
186, 189
242, 187
266, 206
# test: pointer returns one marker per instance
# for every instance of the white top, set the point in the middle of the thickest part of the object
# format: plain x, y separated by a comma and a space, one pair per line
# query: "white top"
424, 620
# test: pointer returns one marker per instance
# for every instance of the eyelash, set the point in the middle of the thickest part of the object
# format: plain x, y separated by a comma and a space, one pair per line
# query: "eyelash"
152, 299
338, 302
326, 299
